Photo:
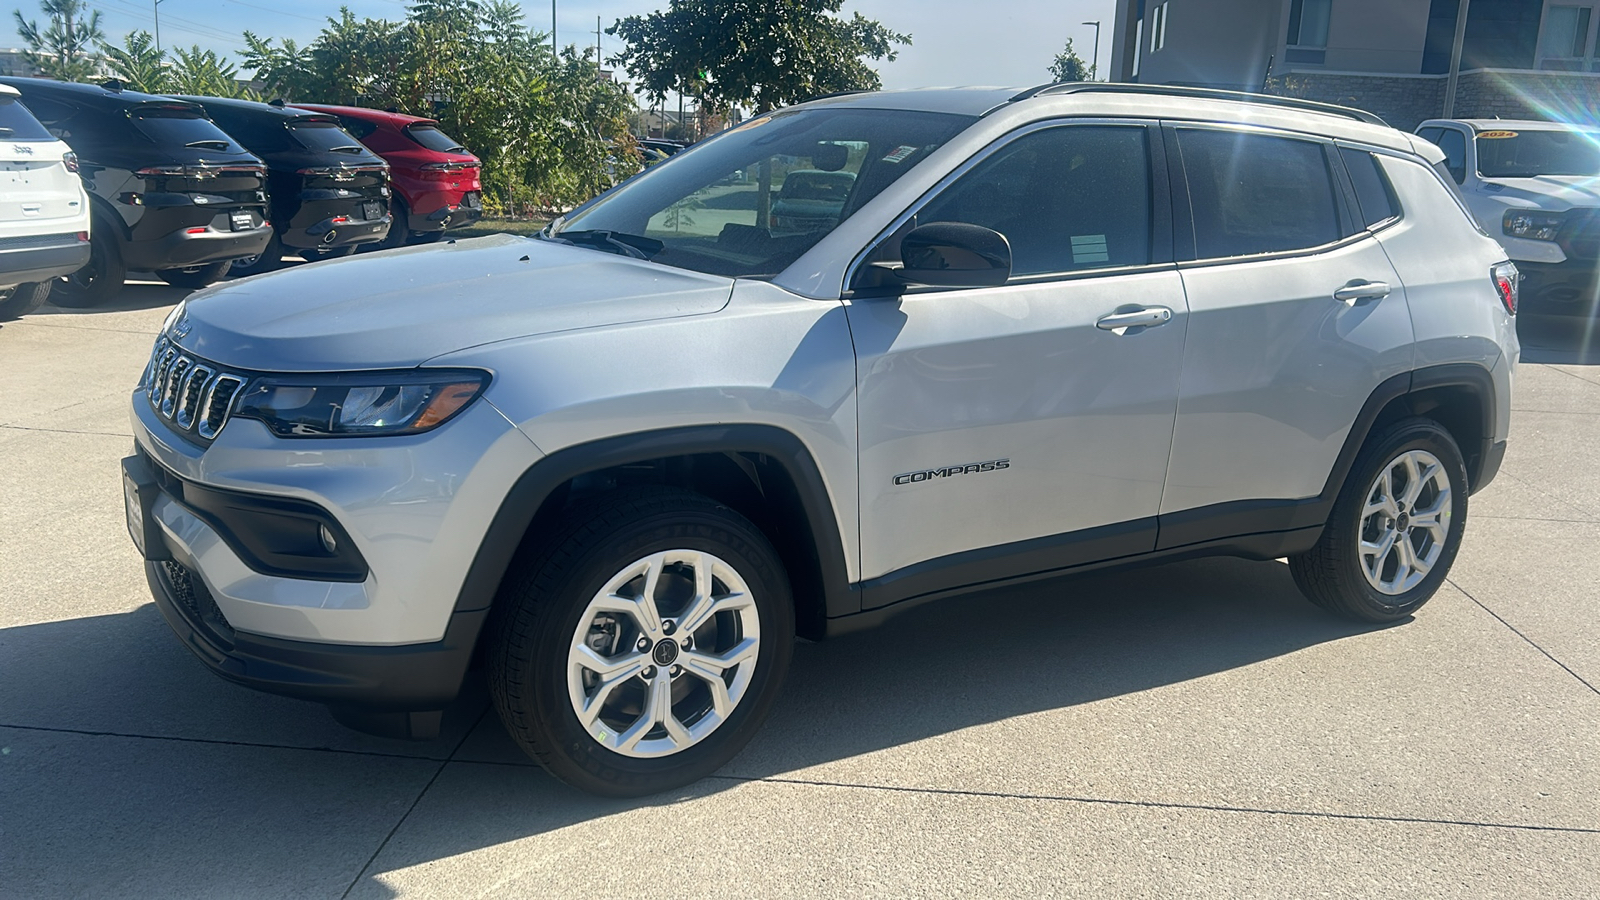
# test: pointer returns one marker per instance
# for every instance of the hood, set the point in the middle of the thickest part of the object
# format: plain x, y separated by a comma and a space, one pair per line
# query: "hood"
400, 308
1554, 193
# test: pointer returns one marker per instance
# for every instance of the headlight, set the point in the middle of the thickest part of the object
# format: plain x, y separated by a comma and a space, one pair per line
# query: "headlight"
360, 403
1531, 224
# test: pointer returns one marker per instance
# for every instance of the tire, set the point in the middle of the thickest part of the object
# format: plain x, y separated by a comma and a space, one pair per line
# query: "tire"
271, 258
23, 299
597, 556
1391, 584
426, 237
195, 277
315, 254
100, 278
399, 233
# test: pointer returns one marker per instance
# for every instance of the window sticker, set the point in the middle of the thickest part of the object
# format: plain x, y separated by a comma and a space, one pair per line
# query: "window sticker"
1496, 135
900, 154
1089, 248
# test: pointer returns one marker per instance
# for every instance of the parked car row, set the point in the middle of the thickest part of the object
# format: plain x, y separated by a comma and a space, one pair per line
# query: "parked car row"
100, 180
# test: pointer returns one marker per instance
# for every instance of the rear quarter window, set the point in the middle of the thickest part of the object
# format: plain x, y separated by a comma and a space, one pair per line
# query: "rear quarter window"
1373, 191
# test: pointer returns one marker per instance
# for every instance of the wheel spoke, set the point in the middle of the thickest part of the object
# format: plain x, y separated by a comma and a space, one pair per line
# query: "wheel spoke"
704, 613
606, 666
636, 608
1415, 486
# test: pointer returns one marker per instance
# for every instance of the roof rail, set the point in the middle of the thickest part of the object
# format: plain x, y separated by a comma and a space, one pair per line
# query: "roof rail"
1172, 90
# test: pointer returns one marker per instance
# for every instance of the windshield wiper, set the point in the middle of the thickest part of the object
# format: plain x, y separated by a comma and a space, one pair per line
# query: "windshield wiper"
210, 144
347, 149
635, 245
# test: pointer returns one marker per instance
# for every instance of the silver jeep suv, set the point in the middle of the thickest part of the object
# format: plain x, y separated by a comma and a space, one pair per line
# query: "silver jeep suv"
996, 337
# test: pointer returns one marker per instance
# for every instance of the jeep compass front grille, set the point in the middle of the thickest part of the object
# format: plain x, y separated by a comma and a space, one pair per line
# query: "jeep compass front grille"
192, 395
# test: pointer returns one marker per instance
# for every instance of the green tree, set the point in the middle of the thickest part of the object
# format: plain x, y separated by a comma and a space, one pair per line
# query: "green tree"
138, 64
1069, 66
203, 72
759, 54
65, 49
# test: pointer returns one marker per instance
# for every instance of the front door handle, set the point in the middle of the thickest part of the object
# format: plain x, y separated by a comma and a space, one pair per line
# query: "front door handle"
1149, 317
1362, 290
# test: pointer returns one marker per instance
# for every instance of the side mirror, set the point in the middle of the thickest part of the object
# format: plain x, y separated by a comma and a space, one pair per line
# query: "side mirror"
955, 254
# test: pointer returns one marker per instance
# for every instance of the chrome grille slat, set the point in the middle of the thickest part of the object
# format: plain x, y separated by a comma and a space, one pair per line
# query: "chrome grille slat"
192, 395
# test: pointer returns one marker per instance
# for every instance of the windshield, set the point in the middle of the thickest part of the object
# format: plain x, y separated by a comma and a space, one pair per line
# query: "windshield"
432, 138
1513, 154
752, 200
183, 127
17, 124
314, 135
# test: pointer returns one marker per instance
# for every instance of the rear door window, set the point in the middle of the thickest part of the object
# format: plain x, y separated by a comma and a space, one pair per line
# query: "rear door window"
1372, 189
1254, 193
18, 124
1067, 199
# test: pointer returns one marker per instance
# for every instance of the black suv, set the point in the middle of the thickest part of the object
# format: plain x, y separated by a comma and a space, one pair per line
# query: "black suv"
169, 191
330, 194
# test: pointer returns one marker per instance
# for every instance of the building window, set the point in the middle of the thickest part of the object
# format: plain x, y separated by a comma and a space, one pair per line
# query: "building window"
1158, 28
1308, 31
1565, 41
1138, 46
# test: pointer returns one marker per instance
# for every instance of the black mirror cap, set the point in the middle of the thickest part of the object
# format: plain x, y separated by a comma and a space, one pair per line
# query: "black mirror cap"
955, 254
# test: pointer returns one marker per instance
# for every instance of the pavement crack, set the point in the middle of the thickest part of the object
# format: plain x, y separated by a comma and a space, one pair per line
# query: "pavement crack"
410, 809
67, 431
1531, 642
1158, 804
193, 740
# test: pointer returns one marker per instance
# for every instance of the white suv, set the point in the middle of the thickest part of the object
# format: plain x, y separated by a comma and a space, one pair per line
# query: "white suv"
44, 212
625, 463
1534, 186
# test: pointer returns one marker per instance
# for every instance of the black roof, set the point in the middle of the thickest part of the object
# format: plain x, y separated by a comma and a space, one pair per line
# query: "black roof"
253, 107
94, 96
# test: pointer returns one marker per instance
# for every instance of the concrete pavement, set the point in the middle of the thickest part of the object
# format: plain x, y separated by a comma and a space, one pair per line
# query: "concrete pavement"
1195, 729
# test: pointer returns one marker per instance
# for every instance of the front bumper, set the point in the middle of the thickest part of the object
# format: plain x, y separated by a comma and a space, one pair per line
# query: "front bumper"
394, 691
35, 264
1570, 286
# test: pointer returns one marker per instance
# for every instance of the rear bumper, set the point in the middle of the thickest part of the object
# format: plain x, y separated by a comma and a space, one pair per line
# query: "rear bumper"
328, 234
179, 248
467, 210
35, 264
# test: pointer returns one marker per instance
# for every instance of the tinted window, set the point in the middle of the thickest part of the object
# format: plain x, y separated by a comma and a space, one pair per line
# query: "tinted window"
722, 209
1431, 135
17, 124
259, 133
183, 127
1066, 199
358, 128
431, 137
1454, 145
324, 136
1372, 189
1252, 193
1511, 154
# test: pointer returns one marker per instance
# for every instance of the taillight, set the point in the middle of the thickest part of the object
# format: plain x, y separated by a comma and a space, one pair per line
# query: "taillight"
1505, 277
450, 166
149, 171
70, 160
83, 237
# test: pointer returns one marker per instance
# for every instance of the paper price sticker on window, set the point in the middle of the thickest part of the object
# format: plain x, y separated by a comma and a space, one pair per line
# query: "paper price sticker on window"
1496, 135
900, 154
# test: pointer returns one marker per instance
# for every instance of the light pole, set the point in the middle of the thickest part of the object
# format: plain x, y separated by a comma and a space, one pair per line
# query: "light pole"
157, 7
1094, 67
553, 51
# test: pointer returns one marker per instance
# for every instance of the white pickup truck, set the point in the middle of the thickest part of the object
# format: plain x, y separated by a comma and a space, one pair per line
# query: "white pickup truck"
1534, 187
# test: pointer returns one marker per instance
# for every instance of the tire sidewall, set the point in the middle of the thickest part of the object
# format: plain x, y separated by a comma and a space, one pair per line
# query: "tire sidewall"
577, 757
1403, 438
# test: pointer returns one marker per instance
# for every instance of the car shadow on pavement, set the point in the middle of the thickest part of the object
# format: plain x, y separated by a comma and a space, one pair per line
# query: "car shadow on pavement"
1559, 340
135, 295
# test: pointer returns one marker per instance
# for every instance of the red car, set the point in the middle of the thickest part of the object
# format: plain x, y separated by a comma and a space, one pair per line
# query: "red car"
435, 179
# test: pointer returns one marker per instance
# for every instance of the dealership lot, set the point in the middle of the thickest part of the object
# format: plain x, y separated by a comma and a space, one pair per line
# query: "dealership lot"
1193, 729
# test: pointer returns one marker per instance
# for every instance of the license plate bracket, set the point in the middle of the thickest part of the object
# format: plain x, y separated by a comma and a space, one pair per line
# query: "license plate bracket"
371, 209
139, 492
241, 220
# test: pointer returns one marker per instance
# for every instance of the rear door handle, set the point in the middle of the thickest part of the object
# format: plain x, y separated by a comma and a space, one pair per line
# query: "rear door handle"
1149, 317
1362, 290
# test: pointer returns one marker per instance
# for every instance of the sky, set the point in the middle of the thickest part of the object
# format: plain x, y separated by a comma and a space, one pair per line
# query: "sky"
955, 42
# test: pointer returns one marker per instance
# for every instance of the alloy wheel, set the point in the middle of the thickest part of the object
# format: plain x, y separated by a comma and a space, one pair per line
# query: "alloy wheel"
663, 654
1405, 522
